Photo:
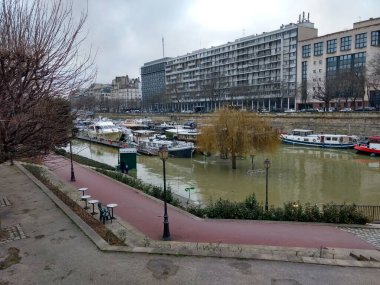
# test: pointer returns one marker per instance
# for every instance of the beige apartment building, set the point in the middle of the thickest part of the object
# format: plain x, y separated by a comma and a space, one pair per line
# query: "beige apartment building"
322, 57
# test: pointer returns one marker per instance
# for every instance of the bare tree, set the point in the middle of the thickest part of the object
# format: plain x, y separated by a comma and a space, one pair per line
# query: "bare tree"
326, 90
374, 72
213, 89
351, 84
174, 91
39, 61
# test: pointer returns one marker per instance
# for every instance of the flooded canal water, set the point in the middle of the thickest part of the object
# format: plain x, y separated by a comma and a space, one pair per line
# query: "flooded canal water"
296, 174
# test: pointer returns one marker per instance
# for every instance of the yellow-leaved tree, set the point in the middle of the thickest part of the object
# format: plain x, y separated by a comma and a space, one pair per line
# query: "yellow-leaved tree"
233, 133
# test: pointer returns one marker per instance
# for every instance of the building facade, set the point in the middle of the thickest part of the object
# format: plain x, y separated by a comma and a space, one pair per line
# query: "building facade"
321, 59
153, 82
254, 72
127, 92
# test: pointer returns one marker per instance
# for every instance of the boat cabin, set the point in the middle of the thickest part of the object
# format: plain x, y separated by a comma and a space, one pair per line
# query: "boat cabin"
374, 142
301, 132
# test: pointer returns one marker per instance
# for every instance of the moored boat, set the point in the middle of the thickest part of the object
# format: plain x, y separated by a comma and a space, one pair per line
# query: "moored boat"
308, 138
151, 145
104, 129
371, 148
183, 134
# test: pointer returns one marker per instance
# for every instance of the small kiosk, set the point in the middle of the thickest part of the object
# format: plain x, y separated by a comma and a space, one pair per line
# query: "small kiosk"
127, 159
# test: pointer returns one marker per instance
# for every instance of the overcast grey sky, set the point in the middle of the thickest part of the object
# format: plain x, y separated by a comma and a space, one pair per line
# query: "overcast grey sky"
127, 33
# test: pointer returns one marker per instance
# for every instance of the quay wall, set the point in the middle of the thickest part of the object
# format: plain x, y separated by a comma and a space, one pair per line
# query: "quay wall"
357, 123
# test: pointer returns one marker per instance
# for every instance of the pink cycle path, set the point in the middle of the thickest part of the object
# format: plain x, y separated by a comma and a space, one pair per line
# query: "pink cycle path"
146, 215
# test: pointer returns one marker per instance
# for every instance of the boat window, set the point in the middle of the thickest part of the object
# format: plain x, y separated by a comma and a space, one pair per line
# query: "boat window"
306, 140
335, 139
328, 138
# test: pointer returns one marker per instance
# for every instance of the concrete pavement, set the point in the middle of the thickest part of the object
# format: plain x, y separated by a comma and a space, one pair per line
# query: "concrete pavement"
142, 235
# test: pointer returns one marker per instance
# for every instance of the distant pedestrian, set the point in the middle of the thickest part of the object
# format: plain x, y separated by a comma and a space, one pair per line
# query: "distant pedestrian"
122, 167
126, 169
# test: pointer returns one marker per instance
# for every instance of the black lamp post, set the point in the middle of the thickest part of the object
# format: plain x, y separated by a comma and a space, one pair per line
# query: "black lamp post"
267, 165
164, 154
73, 133
72, 166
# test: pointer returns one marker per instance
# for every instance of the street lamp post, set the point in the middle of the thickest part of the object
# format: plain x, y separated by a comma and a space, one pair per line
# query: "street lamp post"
164, 154
72, 166
73, 134
267, 163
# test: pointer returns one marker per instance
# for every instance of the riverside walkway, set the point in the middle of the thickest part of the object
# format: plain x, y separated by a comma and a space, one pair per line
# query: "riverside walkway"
146, 215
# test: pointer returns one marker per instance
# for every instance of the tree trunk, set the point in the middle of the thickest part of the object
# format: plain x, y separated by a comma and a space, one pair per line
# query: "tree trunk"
233, 158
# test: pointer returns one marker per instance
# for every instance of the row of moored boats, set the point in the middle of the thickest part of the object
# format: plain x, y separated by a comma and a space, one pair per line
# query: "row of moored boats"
303, 137
142, 134
148, 137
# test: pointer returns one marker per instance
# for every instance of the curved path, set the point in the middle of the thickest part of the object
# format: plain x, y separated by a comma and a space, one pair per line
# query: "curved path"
146, 215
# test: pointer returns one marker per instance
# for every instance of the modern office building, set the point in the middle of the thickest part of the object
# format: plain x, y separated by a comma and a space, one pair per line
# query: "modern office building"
153, 82
322, 58
257, 71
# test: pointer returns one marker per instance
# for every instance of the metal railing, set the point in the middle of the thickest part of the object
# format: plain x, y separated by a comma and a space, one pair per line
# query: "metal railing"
372, 212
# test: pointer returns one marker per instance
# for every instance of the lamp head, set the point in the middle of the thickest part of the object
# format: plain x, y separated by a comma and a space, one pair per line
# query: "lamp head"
267, 163
163, 152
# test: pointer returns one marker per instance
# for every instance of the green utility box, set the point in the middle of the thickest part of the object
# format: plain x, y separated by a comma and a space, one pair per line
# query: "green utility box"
127, 158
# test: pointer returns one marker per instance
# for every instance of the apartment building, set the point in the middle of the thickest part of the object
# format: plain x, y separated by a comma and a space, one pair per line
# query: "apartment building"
127, 91
257, 71
321, 58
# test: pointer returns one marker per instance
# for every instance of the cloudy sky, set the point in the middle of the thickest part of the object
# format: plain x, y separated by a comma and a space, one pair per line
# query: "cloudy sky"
125, 34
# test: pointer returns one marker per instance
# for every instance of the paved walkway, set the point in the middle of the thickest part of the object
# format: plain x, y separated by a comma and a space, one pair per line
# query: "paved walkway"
145, 214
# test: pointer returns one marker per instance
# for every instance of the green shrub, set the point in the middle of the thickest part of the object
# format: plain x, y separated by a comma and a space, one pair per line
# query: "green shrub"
151, 190
330, 213
250, 208
311, 213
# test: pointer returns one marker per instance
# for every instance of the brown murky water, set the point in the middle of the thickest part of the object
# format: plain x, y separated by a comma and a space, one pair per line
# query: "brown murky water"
296, 174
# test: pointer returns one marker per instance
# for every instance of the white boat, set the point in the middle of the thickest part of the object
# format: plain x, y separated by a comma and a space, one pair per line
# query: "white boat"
308, 138
151, 145
183, 134
138, 124
104, 129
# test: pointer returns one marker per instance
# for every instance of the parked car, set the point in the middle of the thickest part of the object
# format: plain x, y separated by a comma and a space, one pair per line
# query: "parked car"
289, 110
346, 110
366, 109
330, 109
309, 110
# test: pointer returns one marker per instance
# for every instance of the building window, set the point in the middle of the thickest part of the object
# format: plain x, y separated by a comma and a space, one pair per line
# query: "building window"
304, 70
359, 59
331, 66
331, 46
318, 49
375, 38
306, 51
345, 62
361, 40
345, 43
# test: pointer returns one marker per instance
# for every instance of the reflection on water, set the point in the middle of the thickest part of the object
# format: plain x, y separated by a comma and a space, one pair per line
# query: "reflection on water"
296, 173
